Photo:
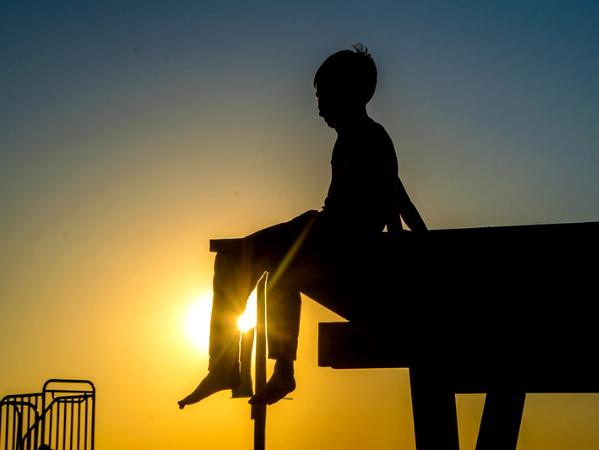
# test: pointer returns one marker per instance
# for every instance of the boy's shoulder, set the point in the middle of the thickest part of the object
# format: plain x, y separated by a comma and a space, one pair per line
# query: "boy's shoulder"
378, 132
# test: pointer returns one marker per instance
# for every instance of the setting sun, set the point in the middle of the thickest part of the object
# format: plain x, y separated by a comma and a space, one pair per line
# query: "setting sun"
197, 322
248, 319
197, 319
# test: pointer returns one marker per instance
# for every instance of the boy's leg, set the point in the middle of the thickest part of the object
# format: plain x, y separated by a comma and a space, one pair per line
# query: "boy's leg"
283, 315
235, 275
282, 319
283, 309
311, 273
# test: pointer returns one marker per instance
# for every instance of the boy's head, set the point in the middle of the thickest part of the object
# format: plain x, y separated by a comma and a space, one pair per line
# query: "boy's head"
344, 83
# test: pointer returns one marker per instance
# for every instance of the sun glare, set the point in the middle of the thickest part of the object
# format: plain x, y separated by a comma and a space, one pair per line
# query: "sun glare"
197, 321
248, 319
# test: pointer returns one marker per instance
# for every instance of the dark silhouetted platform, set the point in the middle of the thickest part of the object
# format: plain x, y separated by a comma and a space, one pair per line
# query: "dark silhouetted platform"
500, 310
505, 311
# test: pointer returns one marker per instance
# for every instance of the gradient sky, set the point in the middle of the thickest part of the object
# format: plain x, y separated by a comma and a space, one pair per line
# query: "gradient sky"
133, 132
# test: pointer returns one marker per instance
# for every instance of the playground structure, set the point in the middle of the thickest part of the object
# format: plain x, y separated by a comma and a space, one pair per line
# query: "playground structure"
61, 416
500, 310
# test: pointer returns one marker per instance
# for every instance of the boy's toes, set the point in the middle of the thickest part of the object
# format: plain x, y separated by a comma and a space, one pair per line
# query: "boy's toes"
276, 389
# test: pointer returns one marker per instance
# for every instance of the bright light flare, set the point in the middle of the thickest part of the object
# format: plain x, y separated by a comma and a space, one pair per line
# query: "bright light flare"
248, 319
197, 322
197, 319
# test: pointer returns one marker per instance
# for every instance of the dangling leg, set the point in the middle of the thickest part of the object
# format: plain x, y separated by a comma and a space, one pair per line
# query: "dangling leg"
310, 273
283, 307
234, 278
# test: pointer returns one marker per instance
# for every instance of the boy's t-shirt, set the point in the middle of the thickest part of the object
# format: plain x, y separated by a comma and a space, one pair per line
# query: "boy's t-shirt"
362, 194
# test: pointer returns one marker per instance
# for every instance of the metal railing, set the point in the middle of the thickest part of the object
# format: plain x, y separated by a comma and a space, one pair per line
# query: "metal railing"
60, 417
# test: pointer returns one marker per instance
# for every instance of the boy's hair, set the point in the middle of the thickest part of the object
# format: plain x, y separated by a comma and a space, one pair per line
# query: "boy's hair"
352, 71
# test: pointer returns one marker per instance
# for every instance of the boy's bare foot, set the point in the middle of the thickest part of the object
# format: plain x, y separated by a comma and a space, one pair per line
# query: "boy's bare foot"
280, 384
211, 384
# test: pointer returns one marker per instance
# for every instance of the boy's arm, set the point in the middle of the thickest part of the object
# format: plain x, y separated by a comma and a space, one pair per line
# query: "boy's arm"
408, 211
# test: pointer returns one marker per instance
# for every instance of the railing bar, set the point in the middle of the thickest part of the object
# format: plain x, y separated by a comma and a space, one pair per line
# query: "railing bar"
67, 391
37, 428
69, 399
7, 428
71, 410
18, 440
78, 424
22, 429
57, 425
43, 419
85, 440
30, 422
37, 421
93, 419
26, 421
21, 416
64, 426
9, 415
49, 424
14, 427
1, 408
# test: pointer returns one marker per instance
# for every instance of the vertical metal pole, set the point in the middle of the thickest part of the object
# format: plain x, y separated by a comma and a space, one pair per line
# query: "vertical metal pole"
79, 424
86, 421
43, 412
64, 425
2, 407
14, 427
19, 428
26, 416
71, 411
93, 424
57, 404
259, 411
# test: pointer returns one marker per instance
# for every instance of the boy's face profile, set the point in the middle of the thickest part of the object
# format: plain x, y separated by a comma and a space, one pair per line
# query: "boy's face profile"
344, 83
333, 106
324, 106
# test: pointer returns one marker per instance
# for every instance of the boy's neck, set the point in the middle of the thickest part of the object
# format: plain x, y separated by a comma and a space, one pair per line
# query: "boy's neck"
349, 122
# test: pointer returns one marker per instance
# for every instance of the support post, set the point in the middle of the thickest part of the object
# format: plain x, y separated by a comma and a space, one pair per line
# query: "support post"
434, 409
501, 420
259, 411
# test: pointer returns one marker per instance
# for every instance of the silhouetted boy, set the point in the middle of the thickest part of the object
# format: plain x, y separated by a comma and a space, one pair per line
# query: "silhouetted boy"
318, 253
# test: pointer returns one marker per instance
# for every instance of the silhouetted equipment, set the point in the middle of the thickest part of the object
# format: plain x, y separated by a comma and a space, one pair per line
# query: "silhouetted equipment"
503, 310
61, 416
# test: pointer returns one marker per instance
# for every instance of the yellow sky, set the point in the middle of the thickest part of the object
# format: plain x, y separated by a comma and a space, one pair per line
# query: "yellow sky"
112, 305
102, 264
